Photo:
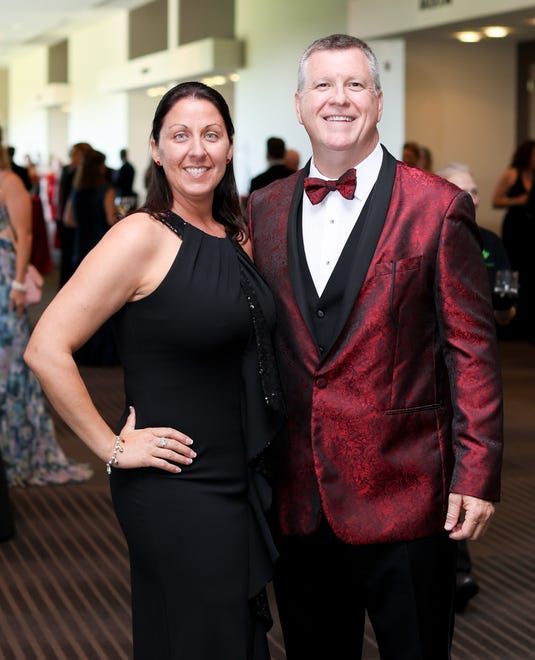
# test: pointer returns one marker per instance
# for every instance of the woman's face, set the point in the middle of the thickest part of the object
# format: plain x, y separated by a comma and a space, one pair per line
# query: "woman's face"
193, 148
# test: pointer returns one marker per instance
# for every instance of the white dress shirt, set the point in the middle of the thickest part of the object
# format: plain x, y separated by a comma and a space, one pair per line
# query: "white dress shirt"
327, 225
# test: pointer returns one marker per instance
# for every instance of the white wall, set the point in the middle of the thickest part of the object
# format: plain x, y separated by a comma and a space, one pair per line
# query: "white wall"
100, 119
461, 104
58, 134
140, 113
275, 34
4, 75
391, 58
28, 123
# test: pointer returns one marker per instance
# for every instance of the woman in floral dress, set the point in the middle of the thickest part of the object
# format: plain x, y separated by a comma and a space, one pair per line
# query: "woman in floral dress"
28, 446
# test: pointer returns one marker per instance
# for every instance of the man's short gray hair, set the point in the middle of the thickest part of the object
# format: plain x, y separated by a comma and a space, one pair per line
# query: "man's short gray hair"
339, 42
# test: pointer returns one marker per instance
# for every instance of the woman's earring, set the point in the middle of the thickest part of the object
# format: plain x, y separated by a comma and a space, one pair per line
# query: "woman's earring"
158, 163
228, 161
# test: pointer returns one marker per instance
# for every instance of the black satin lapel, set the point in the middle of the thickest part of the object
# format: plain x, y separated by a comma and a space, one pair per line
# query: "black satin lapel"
379, 204
294, 266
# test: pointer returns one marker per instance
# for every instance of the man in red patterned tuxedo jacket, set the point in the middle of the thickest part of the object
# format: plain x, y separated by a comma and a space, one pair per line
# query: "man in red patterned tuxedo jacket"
388, 357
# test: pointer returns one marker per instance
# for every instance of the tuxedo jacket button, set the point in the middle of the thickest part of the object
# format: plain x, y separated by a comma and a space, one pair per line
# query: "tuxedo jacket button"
320, 313
321, 383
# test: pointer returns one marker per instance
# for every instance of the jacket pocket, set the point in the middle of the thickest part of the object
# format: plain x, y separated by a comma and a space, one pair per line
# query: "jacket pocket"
398, 266
413, 409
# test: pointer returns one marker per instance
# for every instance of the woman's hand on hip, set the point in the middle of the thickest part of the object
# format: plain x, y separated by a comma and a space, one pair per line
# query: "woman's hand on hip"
160, 447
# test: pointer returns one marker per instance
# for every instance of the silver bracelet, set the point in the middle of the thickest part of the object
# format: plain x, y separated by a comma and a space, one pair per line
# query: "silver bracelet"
18, 286
114, 461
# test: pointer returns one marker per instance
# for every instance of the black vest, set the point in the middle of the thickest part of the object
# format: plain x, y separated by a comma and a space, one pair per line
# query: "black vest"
324, 309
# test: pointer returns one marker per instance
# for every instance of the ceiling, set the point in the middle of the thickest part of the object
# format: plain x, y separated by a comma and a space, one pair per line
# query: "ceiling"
521, 24
30, 22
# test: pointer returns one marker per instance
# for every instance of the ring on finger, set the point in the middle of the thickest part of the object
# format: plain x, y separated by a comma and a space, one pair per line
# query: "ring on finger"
162, 442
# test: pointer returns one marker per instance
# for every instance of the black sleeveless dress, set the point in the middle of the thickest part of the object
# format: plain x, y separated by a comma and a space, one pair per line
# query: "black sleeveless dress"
198, 542
518, 235
515, 228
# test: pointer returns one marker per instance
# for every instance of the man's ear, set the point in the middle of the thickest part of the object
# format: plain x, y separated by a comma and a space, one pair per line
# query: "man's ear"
297, 100
380, 104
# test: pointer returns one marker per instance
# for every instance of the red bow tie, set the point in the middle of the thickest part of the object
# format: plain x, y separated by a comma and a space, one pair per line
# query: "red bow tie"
318, 189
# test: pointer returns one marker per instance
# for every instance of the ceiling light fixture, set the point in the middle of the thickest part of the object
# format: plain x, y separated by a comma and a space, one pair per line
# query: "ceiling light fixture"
496, 31
154, 92
469, 37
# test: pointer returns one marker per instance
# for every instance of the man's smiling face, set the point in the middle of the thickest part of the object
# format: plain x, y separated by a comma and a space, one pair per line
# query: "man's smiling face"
338, 105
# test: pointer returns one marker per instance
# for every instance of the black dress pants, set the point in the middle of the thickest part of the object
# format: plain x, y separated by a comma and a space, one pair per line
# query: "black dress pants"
324, 587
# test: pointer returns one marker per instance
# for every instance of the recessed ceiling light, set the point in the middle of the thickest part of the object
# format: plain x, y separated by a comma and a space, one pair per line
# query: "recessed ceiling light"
469, 37
496, 31
217, 81
154, 92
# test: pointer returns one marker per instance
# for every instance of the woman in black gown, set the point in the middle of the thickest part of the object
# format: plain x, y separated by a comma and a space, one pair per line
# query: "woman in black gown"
192, 317
91, 212
515, 193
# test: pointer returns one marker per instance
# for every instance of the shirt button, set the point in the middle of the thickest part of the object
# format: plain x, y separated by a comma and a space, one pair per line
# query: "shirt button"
320, 313
321, 383
332, 222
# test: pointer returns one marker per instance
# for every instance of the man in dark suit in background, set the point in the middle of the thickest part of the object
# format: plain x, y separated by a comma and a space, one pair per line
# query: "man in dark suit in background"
123, 178
21, 172
496, 259
277, 169
388, 357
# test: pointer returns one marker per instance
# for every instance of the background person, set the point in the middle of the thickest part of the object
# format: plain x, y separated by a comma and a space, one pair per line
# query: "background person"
91, 212
496, 259
292, 159
65, 233
411, 154
91, 205
123, 182
425, 159
277, 168
192, 319
388, 357
512, 192
19, 170
28, 445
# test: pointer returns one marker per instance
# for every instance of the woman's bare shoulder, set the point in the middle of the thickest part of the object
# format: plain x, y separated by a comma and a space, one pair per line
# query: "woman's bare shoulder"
11, 183
137, 233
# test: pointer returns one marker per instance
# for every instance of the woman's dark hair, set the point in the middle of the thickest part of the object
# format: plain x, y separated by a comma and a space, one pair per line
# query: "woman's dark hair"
522, 156
226, 207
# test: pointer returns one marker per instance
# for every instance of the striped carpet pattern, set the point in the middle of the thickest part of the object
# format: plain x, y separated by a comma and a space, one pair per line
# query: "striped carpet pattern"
65, 588
500, 622
64, 584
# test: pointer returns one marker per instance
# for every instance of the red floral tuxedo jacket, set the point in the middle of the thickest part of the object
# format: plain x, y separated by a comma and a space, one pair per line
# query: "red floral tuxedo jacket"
405, 405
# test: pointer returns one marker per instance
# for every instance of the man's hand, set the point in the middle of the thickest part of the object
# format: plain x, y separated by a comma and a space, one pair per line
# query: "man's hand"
467, 517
